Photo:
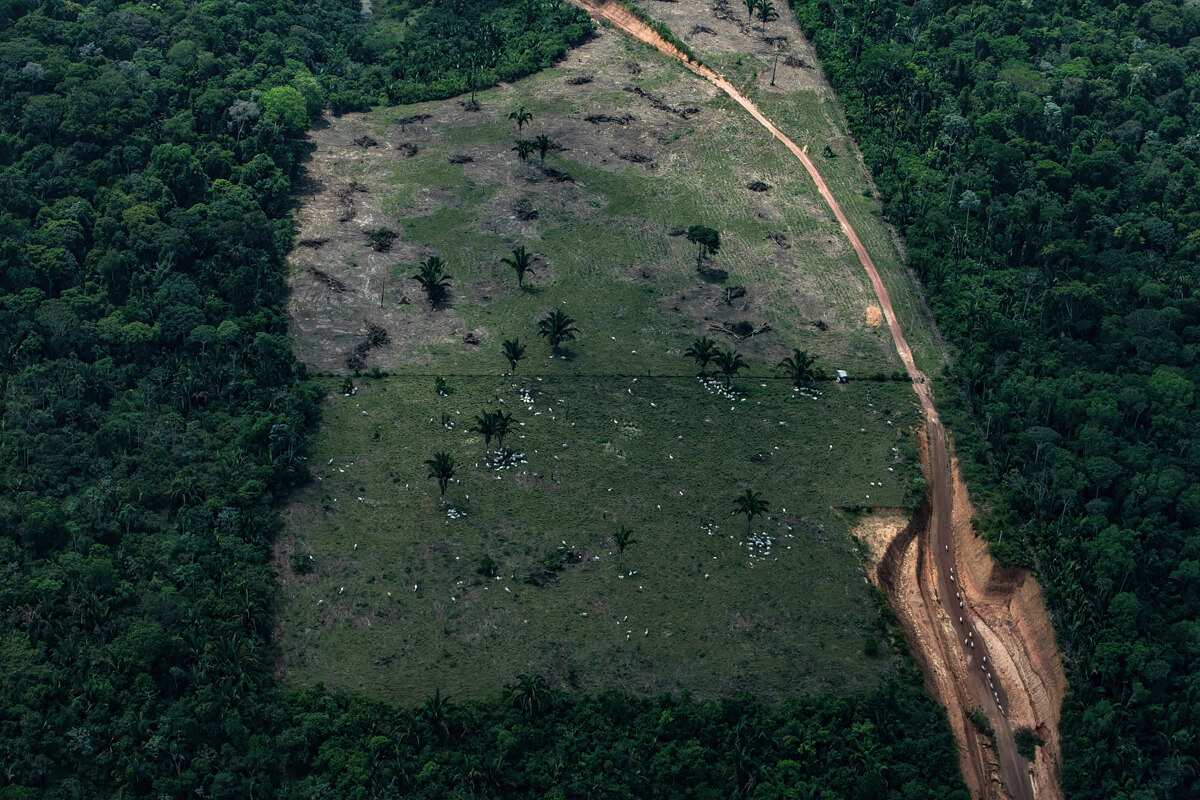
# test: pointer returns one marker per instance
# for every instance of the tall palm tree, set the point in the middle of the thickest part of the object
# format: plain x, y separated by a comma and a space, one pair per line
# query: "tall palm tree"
520, 116
557, 327
623, 538
543, 144
750, 6
729, 362
521, 262
751, 504
441, 467
708, 238
766, 12
504, 424
530, 693
703, 350
433, 279
798, 367
436, 714
485, 423
514, 351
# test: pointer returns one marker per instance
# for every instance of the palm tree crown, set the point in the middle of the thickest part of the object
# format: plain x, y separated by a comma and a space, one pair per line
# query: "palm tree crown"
524, 148
521, 262
751, 504
441, 467
729, 362
504, 424
798, 367
557, 327
514, 351
433, 279
623, 538
703, 350
521, 116
485, 423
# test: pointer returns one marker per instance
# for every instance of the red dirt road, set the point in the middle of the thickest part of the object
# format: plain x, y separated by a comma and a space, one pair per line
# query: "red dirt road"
979, 638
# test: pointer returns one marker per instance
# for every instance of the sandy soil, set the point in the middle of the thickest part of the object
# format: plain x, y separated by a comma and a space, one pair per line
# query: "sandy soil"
938, 576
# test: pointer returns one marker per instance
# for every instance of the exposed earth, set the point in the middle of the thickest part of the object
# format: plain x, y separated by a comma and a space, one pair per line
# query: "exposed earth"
1014, 672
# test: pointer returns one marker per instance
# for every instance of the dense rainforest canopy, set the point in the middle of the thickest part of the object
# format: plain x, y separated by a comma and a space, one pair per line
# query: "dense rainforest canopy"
1043, 161
151, 413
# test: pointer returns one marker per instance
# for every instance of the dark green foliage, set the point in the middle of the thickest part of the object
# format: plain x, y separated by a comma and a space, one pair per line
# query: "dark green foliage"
521, 263
441, 469
702, 351
381, 239
708, 239
521, 116
799, 366
524, 148
431, 50
487, 566
623, 538
513, 351
1041, 160
1027, 742
152, 414
729, 363
766, 13
541, 741
557, 327
982, 725
751, 504
432, 276
485, 424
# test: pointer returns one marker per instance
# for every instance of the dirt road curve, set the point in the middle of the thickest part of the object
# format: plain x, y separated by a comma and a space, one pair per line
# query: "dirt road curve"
980, 633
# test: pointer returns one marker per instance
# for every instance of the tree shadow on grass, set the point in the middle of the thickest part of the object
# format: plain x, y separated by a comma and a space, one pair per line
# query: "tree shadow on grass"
714, 275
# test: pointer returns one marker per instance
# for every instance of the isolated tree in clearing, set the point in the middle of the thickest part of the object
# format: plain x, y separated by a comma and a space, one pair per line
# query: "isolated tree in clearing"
521, 116
623, 538
766, 12
434, 280
521, 262
703, 350
557, 327
543, 145
751, 504
750, 6
707, 238
514, 351
441, 467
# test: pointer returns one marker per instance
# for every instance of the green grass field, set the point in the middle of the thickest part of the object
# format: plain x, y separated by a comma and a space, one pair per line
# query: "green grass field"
380, 586
663, 456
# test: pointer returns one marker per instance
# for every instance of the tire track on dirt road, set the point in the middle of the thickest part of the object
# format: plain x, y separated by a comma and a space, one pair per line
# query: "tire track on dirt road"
996, 666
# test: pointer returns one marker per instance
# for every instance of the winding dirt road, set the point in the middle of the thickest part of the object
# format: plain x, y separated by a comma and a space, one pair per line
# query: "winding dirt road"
981, 634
